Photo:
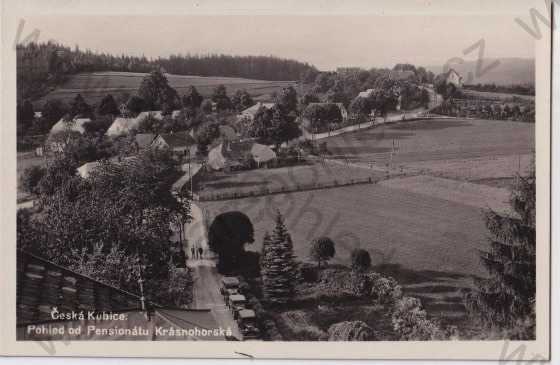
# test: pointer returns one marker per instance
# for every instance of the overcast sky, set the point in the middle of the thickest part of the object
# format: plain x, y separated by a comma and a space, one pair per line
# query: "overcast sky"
324, 41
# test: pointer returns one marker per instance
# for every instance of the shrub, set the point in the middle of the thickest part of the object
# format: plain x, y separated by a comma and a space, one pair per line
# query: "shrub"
384, 289
350, 331
360, 284
31, 177
361, 260
296, 322
410, 321
271, 331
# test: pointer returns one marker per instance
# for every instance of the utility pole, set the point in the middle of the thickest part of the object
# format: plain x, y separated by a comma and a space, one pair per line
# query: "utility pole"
190, 175
140, 282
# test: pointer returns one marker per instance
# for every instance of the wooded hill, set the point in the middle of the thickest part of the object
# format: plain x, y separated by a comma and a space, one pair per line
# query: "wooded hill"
40, 66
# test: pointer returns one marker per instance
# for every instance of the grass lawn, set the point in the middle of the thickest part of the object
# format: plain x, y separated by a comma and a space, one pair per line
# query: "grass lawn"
475, 195
287, 178
454, 148
416, 231
94, 86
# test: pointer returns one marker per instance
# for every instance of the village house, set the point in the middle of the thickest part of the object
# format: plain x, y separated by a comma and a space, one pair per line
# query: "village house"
237, 155
182, 144
366, 93
453, 77
73, 125
86, 169
60, 132
249, 113
123, 125
143, 141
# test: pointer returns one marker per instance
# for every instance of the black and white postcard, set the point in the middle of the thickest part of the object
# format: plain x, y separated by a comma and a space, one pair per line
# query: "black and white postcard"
318, 179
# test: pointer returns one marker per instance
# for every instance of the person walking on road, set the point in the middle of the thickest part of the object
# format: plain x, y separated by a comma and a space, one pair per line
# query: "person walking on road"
200, 251
192, 252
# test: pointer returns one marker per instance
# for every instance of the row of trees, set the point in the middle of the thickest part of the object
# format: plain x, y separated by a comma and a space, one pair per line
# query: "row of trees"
495, 111
343, 87
506, 89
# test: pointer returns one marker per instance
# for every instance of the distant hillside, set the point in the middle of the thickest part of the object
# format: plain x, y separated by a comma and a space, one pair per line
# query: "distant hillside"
95, 85
40, 67
510, 71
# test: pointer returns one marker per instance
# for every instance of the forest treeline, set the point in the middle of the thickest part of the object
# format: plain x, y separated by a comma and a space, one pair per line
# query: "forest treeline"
41, 66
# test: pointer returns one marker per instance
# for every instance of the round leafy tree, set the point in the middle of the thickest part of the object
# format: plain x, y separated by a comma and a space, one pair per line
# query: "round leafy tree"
322, 250
361, 260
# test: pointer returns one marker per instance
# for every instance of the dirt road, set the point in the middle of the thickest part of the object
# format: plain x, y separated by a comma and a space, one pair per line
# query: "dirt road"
206, 294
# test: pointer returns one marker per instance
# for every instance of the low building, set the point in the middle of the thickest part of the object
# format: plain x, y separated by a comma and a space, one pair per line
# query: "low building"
86, 169
43, 285
231, 155
122, 126
453, 77
366, 93
180, 143
60, 133
156, 114
250, 112
143, 140
50, 299
72, 125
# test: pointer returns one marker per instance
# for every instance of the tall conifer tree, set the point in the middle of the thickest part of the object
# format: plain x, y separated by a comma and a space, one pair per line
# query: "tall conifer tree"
279, 270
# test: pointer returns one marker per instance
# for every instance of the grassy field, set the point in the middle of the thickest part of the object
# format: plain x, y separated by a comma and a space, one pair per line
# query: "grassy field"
415, 231
286, 178
429, 244
462, 192
488, 95
455, 148
94, 86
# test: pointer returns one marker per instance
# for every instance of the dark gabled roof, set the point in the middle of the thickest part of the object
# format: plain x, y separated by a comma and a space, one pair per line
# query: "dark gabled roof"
42, 285
144, 140
178, 139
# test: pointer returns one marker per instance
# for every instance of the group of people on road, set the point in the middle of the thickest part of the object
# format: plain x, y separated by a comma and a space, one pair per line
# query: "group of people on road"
196, 252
